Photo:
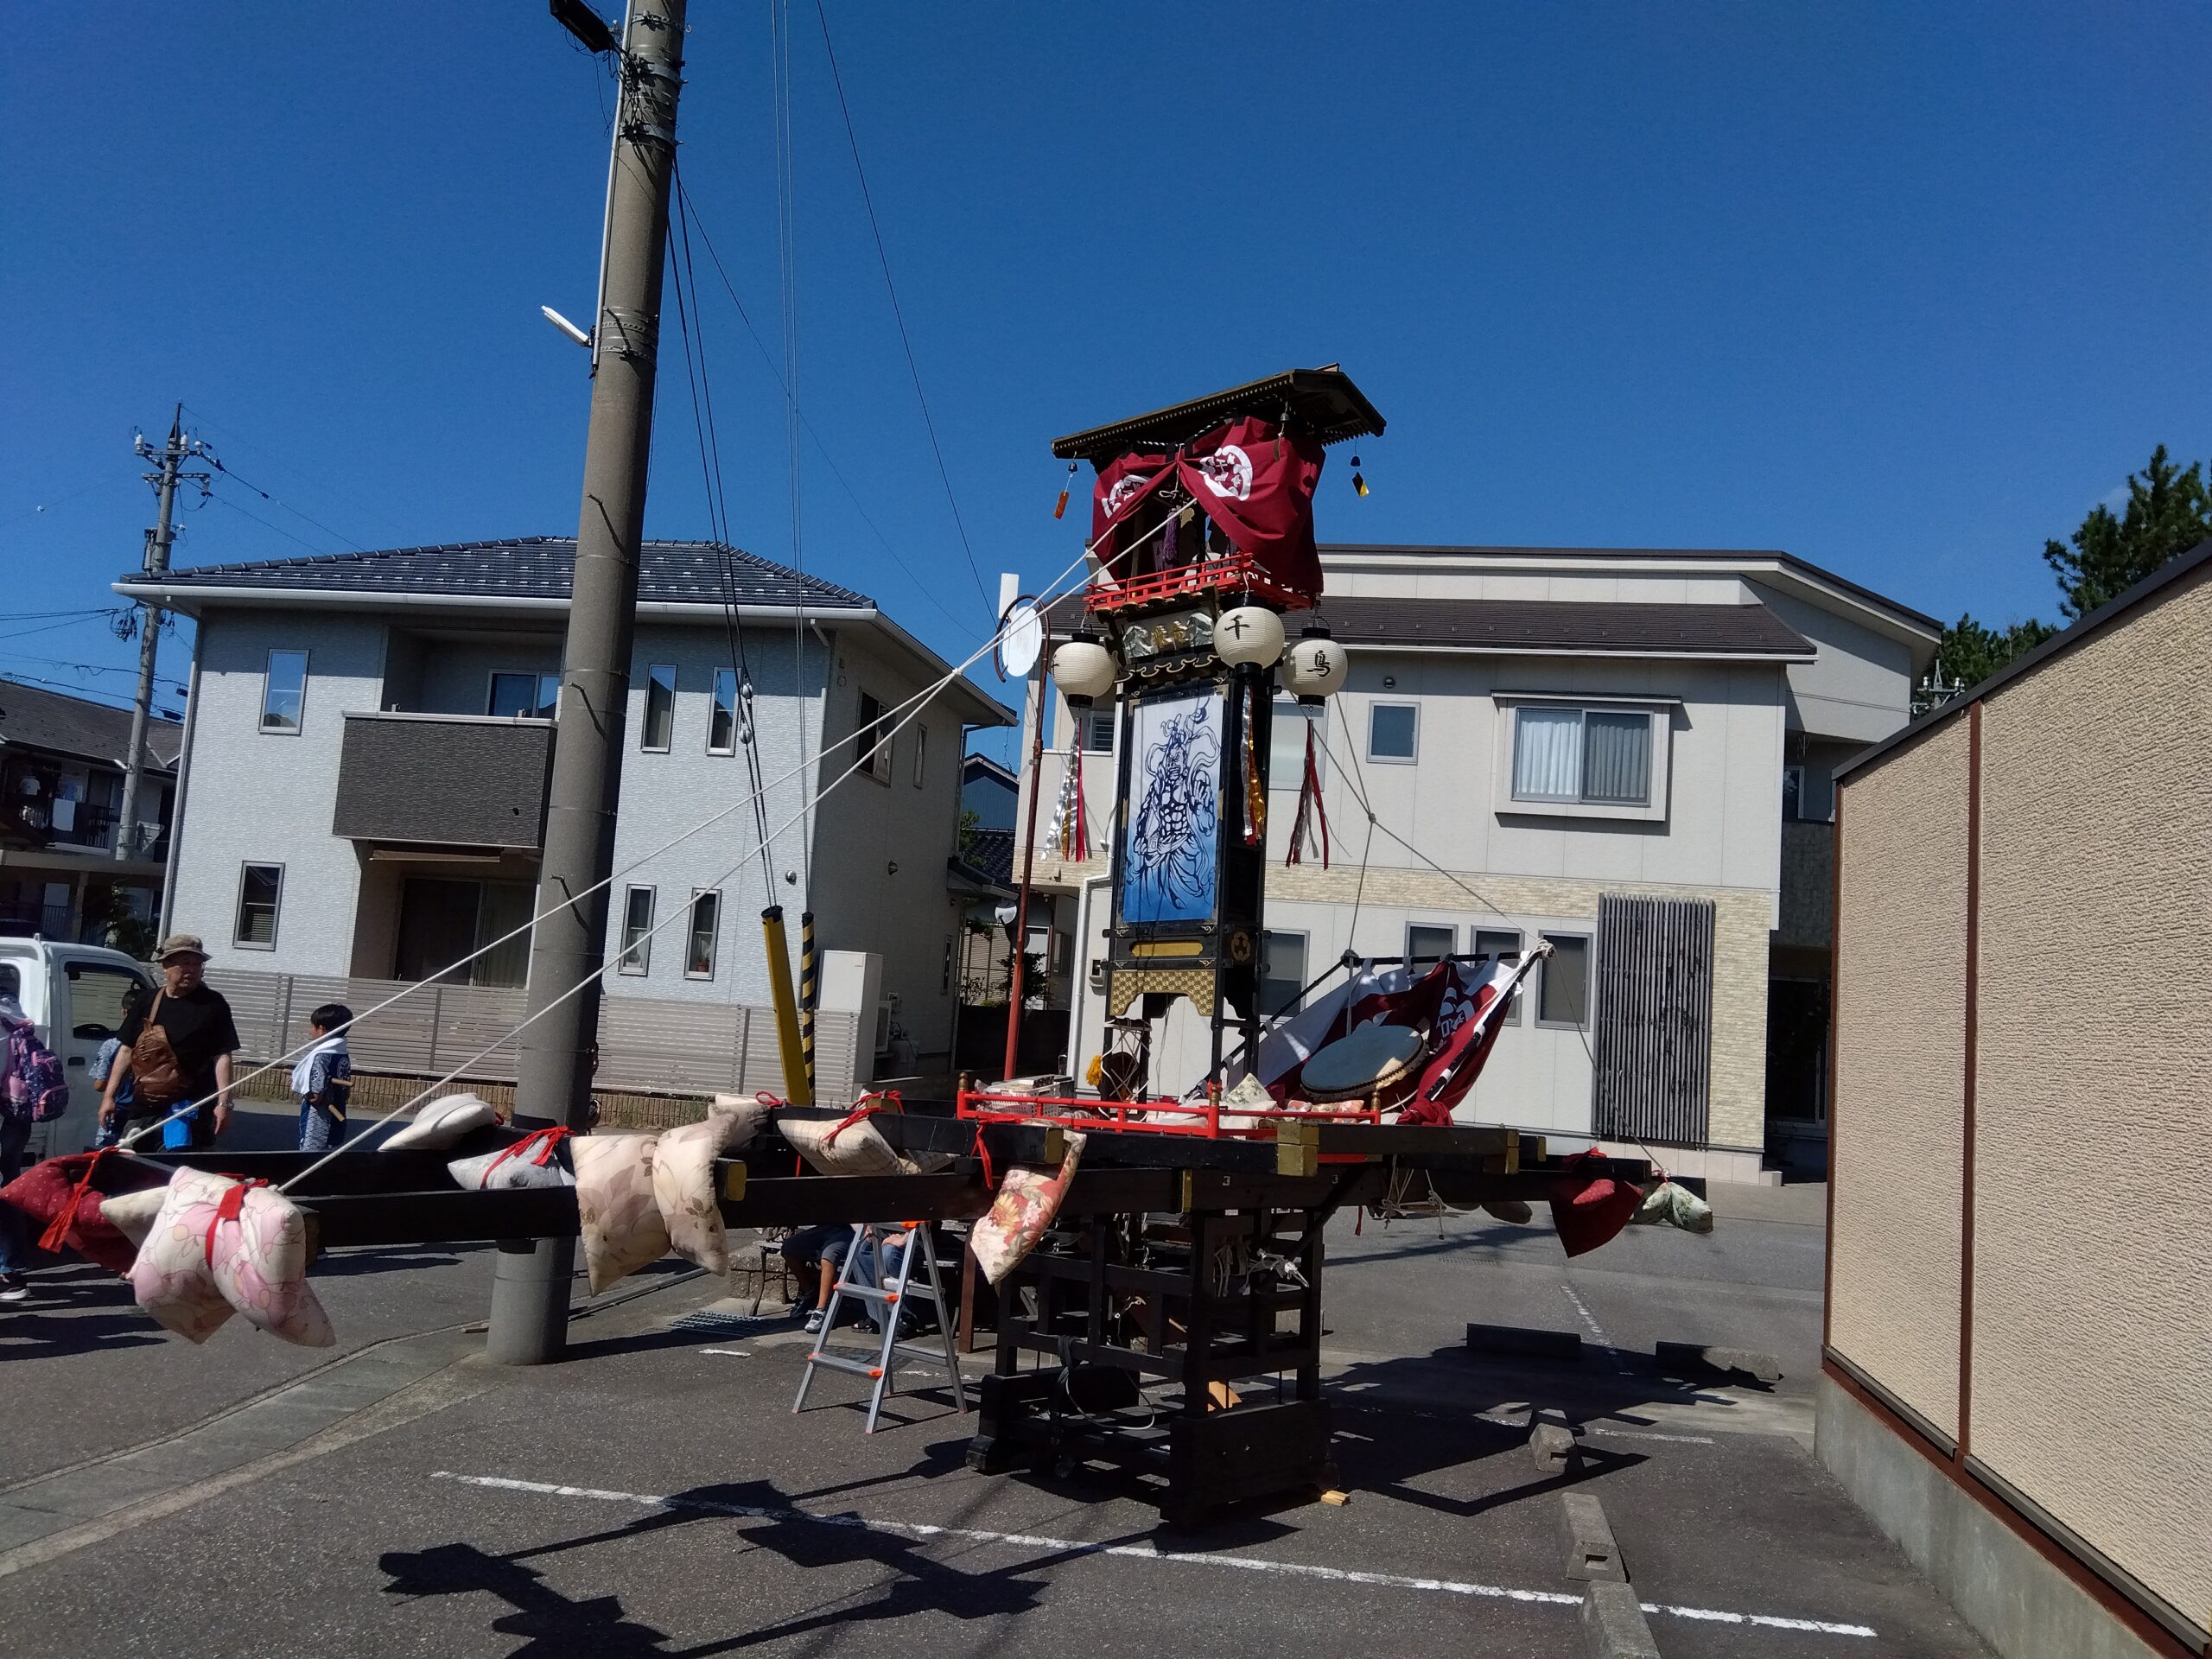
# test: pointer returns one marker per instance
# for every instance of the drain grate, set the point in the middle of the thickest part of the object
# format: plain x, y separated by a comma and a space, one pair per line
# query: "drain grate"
726, 1325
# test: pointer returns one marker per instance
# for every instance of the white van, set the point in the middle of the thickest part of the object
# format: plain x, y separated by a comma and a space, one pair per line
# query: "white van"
75, 994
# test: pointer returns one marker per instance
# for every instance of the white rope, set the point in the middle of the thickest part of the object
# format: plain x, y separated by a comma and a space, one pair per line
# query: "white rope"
914, 707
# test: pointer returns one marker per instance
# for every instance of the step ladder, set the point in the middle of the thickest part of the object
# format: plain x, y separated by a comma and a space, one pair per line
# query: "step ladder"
888, 1302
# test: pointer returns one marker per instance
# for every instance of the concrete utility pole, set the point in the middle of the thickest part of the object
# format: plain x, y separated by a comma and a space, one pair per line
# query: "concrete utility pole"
178, 450
530, 1291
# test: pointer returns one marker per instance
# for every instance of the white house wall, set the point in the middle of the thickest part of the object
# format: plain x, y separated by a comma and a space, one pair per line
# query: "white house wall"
1860, 688
264, 798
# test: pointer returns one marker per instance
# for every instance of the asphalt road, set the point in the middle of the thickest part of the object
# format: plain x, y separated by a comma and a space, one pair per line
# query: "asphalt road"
655, 1495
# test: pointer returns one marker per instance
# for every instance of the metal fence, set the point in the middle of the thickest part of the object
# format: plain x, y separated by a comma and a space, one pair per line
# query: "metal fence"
659, 1047
1654, 1026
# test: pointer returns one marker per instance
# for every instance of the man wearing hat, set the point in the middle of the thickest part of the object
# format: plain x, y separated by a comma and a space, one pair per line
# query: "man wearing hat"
177, 1046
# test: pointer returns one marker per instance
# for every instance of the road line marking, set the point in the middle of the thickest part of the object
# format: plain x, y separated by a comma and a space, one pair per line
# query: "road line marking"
1645, 1434
734, 1353
1138, 1552
1620, 1362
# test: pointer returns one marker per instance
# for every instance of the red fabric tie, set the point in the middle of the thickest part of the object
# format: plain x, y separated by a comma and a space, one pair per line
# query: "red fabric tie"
56, 1237
537, 1146
866, 1106
229, 1208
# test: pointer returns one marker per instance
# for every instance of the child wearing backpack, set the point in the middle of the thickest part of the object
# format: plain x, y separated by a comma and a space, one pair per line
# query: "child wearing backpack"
34, 1088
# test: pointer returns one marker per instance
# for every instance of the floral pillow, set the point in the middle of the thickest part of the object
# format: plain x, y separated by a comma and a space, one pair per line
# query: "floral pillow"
622, 1225
844, 1149
217, 1247
1028, 1199
683, 1180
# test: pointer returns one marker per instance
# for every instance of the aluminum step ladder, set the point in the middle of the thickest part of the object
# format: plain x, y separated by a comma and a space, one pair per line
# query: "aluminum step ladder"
888, 1302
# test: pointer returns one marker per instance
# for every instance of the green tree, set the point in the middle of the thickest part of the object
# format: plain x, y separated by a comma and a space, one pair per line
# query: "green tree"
2169, 511
1971, 653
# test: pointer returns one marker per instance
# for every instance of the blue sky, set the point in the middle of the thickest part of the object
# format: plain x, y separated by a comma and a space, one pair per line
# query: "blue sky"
1901, 290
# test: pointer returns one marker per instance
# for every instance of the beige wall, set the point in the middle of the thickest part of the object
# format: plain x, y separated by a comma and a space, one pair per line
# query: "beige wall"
1900, 1098
2092, 1384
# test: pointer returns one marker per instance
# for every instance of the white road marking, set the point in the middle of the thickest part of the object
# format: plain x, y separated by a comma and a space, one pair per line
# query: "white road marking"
1645, 1434
1620, 1363
1138, 1552
734, 1353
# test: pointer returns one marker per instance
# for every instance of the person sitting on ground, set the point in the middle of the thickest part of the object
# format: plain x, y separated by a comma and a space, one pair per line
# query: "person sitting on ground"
177, 1046
323, 1079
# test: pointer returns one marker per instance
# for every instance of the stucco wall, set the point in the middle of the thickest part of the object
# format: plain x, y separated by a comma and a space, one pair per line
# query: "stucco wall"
1899, 1112
267, 798
2092, 1384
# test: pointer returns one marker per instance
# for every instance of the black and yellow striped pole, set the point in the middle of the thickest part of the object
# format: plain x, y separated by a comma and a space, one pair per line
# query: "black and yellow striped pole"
810, 992
798, 1087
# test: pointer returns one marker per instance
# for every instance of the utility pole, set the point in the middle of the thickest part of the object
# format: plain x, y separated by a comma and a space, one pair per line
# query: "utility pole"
530, 1286
158, 540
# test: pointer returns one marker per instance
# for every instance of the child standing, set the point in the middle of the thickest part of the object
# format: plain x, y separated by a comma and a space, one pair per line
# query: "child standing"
323, 1079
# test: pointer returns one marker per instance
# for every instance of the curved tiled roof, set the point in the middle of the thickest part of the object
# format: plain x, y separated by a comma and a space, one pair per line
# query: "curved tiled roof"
526, 567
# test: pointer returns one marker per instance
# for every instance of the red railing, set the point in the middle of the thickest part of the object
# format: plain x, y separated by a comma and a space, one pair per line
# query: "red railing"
1152, 1116
1238, 573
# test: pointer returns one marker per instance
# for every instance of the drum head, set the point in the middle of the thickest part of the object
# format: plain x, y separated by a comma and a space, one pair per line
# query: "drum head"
1358, 1064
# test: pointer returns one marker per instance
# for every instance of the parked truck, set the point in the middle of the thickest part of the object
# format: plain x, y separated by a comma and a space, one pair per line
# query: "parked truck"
75, 994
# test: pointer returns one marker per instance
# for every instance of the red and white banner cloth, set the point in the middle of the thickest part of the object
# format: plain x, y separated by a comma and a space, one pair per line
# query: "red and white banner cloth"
1456, 1005
1252, 478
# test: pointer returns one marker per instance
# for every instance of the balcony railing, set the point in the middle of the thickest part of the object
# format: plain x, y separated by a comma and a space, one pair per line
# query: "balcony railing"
451, 780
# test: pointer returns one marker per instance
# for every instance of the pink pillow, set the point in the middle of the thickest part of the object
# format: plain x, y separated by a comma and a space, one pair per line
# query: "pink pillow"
218, 1248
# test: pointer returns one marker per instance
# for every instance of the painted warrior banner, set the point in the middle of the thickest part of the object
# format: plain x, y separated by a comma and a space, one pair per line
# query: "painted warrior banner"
1257, 481
1170, 862
1456, 1004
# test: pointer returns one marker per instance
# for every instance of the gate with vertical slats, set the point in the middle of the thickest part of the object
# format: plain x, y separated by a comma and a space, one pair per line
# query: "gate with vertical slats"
1654, 1019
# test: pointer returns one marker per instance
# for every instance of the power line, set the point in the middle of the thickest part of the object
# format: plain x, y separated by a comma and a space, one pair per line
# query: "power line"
928, 592
301, 541
217, 463
234, 439
177, 680
898, 315
49, 627
88, 693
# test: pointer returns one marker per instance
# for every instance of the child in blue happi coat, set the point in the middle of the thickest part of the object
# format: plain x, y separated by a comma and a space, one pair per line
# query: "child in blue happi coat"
323, 1079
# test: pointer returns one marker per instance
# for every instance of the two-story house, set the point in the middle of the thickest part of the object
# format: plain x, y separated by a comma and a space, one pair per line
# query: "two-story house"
62, 765
1544, 734
371, 735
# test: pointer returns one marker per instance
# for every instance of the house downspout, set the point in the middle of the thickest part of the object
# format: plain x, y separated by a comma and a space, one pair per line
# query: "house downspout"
176, 795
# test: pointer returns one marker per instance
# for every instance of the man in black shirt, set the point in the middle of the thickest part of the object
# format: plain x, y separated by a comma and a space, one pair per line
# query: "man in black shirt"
192, 1024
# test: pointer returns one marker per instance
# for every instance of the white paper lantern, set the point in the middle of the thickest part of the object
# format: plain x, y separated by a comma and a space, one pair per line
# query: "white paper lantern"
1250, 633
1315, 667
1084, 670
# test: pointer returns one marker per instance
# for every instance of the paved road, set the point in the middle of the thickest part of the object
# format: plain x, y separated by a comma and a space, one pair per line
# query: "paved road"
654, 1496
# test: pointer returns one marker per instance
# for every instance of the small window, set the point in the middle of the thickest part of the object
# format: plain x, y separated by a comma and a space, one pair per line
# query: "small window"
517, 696
1502, 942
706, 928
261, 889
1286, 746
660, 707
1282, 972
1427, 945
721, 718
1563, 985
945, 979
638, 930
1582, 756
1098, 731
284, 694
1392, 729
921, 750
872, 740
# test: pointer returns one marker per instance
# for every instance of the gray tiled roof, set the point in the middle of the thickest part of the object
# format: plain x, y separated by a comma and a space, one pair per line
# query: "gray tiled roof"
36, 719
527, 566
1541, 625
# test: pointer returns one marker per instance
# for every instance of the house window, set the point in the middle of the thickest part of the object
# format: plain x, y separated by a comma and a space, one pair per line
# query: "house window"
523, 696
261, 889
706, 928
1502, 942
638, 930
872, 738
1286, 746
1807, 797
1098, 731
921, 749
464, 933
1282, 972
1427, 945
1563, 983
721, 718
1392, 729
285, 693
1599, 757
660, 707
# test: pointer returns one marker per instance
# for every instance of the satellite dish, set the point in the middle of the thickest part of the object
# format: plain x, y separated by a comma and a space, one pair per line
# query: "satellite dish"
1021, 639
